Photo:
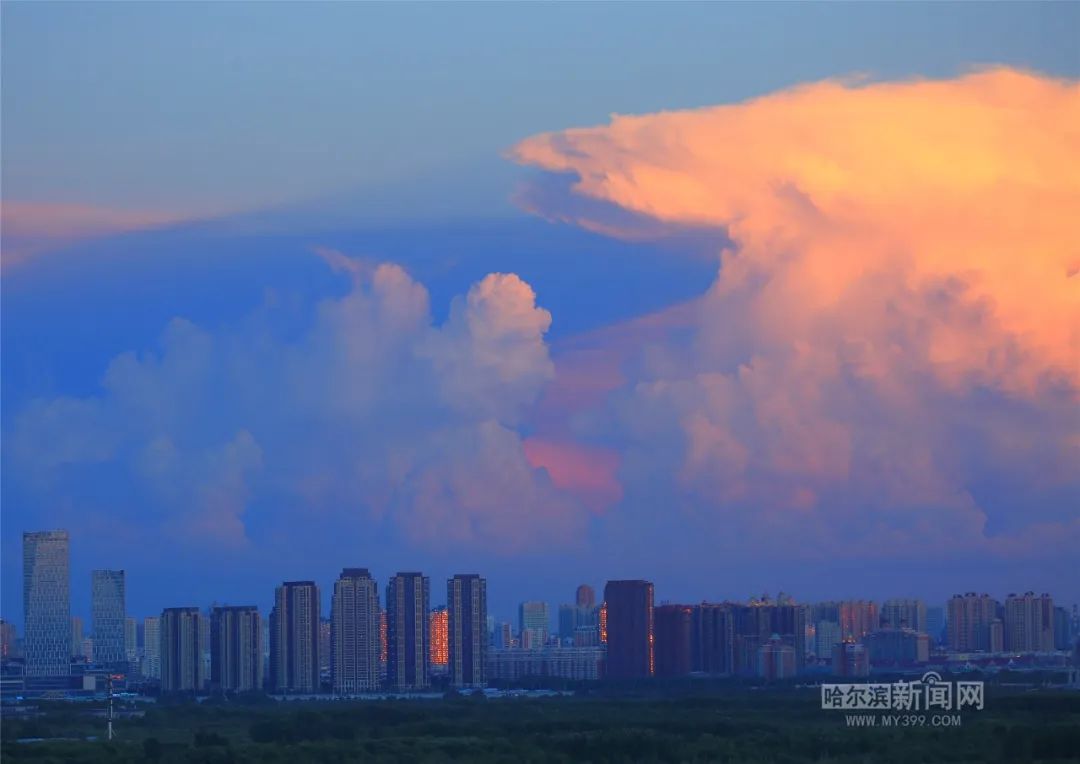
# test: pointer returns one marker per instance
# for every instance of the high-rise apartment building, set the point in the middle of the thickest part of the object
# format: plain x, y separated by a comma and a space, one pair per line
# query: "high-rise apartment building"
776, 659
673, 626
439, 626
712, 639
355, 633
1029, 622
973, 623
904, 614
756, 623
935, 624
408, 635
236, 649
151, 660
182, 668
46, 604
8, 639
108, 617
858, 618
294, 638
630, 635
585, 597
534, 623
466, 600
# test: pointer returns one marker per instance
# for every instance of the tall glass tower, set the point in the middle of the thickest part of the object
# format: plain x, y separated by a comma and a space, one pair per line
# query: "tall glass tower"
47, 603
107, 611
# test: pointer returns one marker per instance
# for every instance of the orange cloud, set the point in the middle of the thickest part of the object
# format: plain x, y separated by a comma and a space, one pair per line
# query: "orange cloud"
587, 472
30, 228
966, 187
896, 319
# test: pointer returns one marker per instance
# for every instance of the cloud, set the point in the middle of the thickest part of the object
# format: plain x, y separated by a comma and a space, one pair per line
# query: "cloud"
893, 335
32, 228
373, 418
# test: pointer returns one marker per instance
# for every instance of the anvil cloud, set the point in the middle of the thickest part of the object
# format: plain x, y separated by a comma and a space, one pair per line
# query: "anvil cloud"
892, 341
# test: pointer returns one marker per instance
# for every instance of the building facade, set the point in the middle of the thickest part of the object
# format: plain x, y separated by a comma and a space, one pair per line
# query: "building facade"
711, 639
408, 635
46, 604
466, 599
1029, 623
534, 623
904, 614
294, 638
236, 649
182, 667
355, 633
629, 626
571, 663
108, 618
673, 627
973, 624
151, 660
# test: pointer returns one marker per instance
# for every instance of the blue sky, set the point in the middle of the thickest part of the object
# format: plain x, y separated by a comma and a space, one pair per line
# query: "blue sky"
383, 131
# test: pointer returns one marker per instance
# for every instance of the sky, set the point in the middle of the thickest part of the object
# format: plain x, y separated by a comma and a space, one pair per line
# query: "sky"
738, 298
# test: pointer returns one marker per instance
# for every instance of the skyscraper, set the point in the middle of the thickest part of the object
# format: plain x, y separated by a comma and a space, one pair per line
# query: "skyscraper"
712, 639
674, 628
76, 636
466, 600
152, 647
181, 650
534, 622
131, 640
107, 617
408, 636
585, 597
629, 629
1029, 622
355, 633
439, 624
294, 638
236, 649
46, 604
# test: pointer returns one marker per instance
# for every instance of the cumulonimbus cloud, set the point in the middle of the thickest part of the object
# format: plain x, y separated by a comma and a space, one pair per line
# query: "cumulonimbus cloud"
898, 316
374, 416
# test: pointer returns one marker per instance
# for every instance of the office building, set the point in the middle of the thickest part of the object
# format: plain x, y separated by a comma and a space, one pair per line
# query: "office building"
629, 625
46, 604
356, 633
466, 599
1029, 623
151, 661
108, 617
534, 623
903, 614
568, 619
408, 635
76, 636
131, 642
294, 638
182, 668
236, 649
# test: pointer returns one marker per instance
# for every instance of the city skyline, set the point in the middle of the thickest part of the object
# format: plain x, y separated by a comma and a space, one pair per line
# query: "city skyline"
787, 304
